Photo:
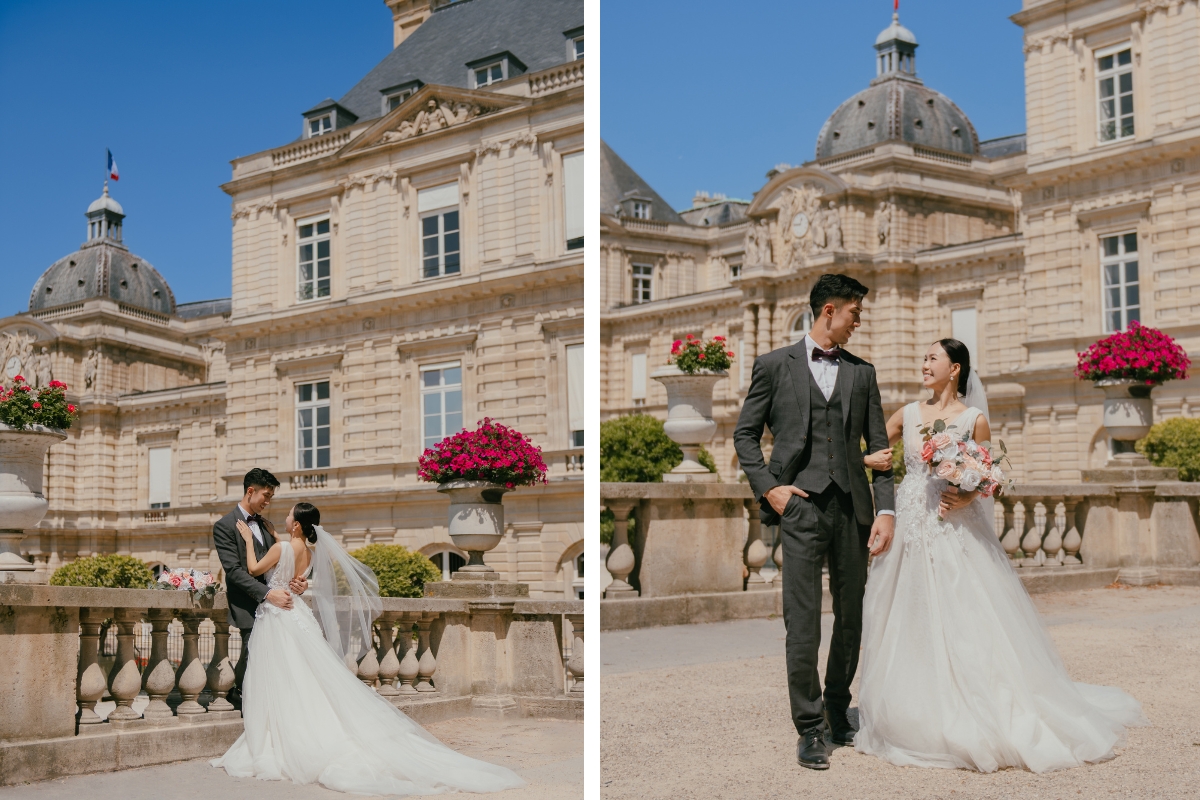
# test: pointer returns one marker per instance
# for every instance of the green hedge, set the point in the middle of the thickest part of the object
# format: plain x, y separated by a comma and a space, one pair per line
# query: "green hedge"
108, 572
1174, 443
401, 572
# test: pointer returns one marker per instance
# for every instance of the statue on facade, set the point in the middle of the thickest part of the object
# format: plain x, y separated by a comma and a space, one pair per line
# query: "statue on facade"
833, 226
41, 369
757, 243
820, 230
883, 222
91, 369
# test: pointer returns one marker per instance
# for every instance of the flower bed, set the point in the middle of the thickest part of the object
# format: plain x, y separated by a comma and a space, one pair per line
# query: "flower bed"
1139, 354
492, 453
23, 406
691, 355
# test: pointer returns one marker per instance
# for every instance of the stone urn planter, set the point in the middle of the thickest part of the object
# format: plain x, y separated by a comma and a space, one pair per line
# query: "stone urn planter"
476, 521
1128, 413
689, 418
22, 504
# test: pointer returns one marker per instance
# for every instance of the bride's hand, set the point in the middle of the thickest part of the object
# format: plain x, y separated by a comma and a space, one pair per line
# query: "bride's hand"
881, 460
954, 499
244, 530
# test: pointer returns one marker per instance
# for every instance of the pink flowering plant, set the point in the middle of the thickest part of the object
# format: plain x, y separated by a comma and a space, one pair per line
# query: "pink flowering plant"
23, 406
1139, 354
199, 584
492, 453
963, 462
691, 355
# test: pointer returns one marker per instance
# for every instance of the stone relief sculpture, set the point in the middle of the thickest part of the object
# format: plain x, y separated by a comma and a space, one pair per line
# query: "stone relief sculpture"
15, 355
798, 210
758, 243
883, 222
41, 369
833, 226
91, 369
436, 115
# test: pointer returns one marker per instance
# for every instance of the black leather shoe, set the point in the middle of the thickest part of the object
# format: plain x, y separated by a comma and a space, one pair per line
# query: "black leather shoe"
841, 732
811, 751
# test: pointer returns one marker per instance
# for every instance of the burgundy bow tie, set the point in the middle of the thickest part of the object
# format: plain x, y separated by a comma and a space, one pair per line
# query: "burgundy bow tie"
833, 355
257, 519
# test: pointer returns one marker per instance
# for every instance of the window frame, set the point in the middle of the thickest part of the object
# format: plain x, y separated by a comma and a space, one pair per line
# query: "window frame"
308, 123
314, 240
1121, 261
422, 392
646, 279
575, 436
170, 475
803, 320
399, 97
577, 581
502, 63
640, 209
314, 404
576, 47
575, 243
1115, 72
440, 236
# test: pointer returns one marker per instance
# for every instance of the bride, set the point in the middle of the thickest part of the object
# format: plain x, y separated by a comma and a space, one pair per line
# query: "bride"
307, 717
957, 670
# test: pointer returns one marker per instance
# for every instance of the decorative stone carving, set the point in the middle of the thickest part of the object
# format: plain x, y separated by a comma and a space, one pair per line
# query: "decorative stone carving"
40, 369
832, 222
91, 369
883, 222
757, 244
16, 352
250, 209
798, 211
435, 116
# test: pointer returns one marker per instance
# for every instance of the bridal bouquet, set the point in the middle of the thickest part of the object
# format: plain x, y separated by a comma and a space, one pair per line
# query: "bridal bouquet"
201, 584
963, 462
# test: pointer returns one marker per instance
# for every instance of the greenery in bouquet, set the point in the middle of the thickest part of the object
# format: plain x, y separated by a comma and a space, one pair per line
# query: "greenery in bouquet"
401, 572
691, 355
106, 572
1138, 354
23, 406
492, 453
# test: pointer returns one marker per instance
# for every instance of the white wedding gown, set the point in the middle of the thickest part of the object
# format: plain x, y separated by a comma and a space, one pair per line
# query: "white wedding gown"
957, 669
308, 719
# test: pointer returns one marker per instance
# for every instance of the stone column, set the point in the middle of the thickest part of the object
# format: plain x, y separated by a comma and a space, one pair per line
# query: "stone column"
755, 553
159, 678
575, 663
191, 675
220, 671
491, 674
765, 313
621, 560
749, 333
90, 684
125, 681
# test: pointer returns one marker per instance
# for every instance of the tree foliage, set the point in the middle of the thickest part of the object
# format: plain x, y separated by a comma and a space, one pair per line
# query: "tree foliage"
635, 449
401, 572
108, 572
1174, 443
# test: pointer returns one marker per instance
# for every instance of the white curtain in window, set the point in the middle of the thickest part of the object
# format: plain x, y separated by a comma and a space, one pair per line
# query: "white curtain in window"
437, 197
160, 475
638, 365
575, 386
573, 194
963, 323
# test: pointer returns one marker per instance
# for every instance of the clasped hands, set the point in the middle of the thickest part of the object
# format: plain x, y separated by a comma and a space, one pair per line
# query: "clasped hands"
276, 597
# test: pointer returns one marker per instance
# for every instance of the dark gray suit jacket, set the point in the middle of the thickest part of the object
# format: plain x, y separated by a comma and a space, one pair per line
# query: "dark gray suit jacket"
245, 591
779, 399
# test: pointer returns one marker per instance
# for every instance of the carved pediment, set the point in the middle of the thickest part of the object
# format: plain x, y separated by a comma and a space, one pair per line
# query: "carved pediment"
432, 109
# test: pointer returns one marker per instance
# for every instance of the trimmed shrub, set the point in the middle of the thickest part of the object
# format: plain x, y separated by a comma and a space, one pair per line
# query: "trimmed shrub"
1174, 443
635, 449
107, 572
401, 572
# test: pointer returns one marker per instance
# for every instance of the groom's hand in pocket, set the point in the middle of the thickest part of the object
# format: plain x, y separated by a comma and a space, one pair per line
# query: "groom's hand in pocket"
881, 533
778, 497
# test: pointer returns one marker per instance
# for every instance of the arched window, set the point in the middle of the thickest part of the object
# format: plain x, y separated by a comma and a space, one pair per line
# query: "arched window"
157, 569
802, 326
577, 577
448, 561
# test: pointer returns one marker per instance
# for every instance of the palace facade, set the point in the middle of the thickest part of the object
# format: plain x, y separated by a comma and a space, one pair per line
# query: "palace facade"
411, 264
1027, 248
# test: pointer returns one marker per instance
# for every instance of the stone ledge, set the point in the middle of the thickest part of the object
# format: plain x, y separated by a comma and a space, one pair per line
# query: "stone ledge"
1179, 576
676, 491
432, 707
1065, 579
564, 707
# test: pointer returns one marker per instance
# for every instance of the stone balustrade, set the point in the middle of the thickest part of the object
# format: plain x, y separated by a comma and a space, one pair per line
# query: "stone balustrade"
697, 551
432, 658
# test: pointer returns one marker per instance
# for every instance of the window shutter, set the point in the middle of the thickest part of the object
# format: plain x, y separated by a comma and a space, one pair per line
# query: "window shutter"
437, 197
963, 323
639, 376
575, 386
160, 475
573, 195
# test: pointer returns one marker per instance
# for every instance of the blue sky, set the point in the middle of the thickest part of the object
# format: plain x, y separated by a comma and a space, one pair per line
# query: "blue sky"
709, 95
176, 90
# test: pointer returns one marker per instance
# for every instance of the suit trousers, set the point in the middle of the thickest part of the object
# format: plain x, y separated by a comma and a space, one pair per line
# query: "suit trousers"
239, 669
812, 528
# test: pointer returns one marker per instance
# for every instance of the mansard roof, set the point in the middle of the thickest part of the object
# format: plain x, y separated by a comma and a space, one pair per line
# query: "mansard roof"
618, 182
463, 32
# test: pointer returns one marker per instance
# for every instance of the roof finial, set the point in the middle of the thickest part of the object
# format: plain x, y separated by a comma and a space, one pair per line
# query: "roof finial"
895, 10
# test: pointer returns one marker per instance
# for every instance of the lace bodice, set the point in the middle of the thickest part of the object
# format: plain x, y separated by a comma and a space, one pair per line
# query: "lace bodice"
280, 575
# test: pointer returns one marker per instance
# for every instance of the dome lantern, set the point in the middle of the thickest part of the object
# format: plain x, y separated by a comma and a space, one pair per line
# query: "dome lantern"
104, 217
896, 51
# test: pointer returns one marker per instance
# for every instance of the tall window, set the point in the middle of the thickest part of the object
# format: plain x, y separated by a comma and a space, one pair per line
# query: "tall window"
641, 209
1119, 268
637, 367
1114, 92
575, 393
438, 207
312, 425
803, 325
312, 242
573, 199
964, 326
320, 125
159, 459
441, 401
735, 271
577, 576
643, 276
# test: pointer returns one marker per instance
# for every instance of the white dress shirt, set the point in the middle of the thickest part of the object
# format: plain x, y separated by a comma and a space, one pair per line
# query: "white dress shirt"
258, 537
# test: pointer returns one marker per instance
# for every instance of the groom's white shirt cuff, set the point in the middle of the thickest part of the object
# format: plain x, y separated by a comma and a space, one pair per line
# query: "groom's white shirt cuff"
887, 512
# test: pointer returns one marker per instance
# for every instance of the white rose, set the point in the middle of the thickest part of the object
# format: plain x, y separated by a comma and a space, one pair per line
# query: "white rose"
970, 480
997, 474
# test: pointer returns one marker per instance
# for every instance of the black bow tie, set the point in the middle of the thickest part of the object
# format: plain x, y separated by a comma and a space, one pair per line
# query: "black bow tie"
833, 355
256, 519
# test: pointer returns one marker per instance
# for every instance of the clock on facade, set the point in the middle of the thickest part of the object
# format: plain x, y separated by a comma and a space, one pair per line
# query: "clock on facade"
800, 224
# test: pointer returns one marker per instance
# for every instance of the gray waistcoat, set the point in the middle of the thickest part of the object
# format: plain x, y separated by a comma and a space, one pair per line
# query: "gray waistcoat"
825, 459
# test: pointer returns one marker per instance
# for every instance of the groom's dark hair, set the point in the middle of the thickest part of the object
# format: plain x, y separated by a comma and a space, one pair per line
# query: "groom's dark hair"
840, 289
259, 478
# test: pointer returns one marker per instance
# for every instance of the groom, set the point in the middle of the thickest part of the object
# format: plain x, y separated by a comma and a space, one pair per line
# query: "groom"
246, 591
819, 402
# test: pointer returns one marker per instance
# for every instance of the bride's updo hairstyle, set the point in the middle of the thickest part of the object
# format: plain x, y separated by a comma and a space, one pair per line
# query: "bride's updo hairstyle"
959, 354
309, 517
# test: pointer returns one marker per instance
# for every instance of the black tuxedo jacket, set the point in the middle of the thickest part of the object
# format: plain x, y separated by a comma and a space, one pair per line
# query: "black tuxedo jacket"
245, 591
779, 399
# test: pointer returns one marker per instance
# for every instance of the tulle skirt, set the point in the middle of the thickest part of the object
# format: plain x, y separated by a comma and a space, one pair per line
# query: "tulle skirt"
308, 719
957, 668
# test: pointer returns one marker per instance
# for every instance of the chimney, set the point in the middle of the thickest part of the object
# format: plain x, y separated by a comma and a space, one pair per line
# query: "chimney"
700, 199
407, 16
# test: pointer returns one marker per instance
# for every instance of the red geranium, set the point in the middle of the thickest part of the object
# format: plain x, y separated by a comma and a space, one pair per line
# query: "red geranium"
22, 406
491, 452
1137, 354
694, 354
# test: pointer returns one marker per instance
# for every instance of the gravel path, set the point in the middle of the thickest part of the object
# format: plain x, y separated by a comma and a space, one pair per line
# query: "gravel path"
708, 716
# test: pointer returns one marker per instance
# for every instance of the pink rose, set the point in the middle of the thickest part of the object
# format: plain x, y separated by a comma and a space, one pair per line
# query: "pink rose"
946, 470
985, 456
987, 489
941, 441
927, 451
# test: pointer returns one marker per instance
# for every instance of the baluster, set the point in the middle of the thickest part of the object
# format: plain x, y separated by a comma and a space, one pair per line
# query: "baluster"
1031, 542
1073, 540
756, 552
389, 665
368, 665
575, 662
1012, 540
90, 683
621, 560
220, 671
1053, 544
426, 663
409, 664
125, 681
191, 676
159, 679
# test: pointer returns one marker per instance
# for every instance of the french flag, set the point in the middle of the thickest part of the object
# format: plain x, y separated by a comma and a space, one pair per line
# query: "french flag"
112, 167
